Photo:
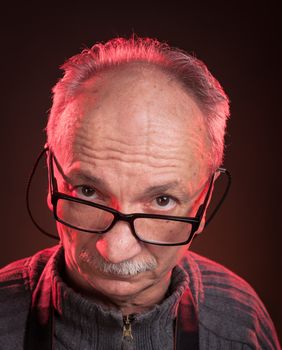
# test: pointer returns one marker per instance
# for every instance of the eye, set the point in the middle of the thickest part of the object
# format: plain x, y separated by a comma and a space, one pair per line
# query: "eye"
165, 202
85, 191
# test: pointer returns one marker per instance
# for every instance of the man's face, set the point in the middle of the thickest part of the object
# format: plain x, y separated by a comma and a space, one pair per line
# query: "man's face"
136, 129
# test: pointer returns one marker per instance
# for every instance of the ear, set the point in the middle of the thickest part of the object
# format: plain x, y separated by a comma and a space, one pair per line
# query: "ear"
203, 221
202, 224
49, 203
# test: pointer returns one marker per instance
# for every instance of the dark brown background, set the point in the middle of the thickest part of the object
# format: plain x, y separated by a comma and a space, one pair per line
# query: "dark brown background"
240, 46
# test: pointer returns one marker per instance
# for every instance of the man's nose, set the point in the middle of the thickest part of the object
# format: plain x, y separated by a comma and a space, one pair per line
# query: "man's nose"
118, 244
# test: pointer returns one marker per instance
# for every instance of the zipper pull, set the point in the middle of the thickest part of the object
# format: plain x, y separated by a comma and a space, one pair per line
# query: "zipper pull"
127, 332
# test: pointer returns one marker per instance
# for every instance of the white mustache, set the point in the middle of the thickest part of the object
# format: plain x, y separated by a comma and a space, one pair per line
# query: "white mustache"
124, 268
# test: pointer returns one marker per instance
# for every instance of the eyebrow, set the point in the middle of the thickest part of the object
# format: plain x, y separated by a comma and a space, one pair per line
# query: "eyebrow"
78, 174
85, 177
152, 190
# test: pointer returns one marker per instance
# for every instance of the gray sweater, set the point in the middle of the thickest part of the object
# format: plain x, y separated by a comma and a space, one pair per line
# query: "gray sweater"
231, 316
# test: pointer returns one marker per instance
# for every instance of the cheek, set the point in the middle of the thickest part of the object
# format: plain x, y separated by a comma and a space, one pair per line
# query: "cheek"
66, 235
167, 257
74, 241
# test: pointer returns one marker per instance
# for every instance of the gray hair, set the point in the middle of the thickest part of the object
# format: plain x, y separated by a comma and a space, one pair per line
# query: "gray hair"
188, 70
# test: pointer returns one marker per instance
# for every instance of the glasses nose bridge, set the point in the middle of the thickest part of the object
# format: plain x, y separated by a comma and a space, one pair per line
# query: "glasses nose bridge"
118, 216
124, 217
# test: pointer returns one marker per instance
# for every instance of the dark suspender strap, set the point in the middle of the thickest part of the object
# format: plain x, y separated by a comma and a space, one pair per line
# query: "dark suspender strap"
187, 324
39, 333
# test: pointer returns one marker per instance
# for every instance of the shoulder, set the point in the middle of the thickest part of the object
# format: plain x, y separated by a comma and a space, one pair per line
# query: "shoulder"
17, 280
23, 273
229, 307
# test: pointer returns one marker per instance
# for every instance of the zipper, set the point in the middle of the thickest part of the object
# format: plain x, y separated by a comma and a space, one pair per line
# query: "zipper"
127, 331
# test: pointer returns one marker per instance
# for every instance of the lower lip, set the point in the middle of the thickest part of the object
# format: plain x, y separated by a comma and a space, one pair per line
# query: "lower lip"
108, 275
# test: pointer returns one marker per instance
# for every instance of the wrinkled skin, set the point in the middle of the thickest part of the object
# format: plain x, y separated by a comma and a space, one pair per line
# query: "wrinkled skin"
134, 128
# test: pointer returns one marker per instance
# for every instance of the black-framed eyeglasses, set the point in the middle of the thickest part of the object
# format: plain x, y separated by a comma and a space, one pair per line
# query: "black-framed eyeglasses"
90, 217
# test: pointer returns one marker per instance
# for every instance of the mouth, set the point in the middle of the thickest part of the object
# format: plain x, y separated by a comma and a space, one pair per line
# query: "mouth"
117, 277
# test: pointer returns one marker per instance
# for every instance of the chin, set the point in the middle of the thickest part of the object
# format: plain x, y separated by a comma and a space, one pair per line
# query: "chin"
118, 287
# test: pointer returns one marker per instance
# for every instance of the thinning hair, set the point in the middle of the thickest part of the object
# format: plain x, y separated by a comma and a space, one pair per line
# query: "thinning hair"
189, 71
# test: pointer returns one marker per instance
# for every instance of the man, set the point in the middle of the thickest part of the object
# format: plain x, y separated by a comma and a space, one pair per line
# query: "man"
134, 145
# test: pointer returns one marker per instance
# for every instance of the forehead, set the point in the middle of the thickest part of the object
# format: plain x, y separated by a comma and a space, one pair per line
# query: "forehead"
137, 110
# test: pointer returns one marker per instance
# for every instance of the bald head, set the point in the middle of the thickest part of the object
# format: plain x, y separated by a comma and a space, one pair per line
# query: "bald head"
117, 54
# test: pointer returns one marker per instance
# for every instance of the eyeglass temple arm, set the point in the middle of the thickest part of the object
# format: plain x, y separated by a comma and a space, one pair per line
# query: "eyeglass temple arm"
27, 201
